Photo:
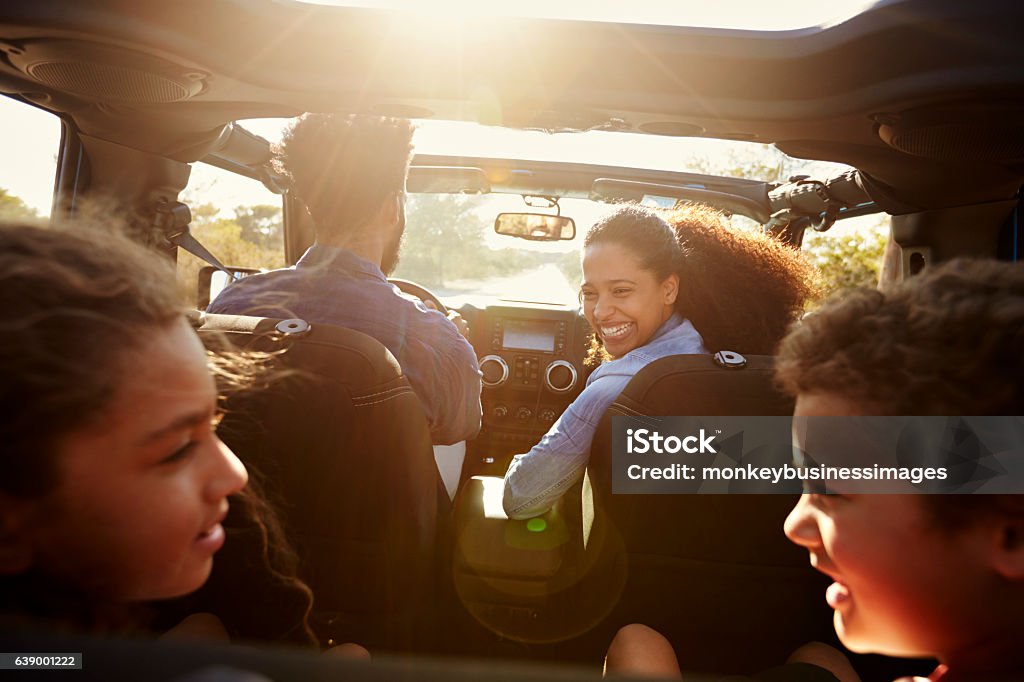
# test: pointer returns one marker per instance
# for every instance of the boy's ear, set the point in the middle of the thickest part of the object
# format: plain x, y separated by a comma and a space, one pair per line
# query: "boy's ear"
15, 548
1008, 549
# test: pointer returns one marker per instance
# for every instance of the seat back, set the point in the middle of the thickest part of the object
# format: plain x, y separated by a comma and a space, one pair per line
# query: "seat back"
714, 573
343, 448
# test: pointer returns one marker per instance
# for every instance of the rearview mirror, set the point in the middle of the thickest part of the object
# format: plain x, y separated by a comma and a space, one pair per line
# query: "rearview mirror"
538, 227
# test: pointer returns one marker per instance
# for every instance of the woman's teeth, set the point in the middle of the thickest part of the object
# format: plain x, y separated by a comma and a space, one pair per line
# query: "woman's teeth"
615, 332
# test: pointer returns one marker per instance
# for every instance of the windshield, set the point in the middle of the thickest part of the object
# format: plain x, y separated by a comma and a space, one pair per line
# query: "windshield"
450, 245
451, 248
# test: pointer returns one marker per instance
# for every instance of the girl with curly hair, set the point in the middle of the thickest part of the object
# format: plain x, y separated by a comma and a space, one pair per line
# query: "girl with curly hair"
114, 487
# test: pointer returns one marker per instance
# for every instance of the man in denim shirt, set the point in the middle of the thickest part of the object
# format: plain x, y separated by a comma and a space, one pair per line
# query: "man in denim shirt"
534, 481
350, 172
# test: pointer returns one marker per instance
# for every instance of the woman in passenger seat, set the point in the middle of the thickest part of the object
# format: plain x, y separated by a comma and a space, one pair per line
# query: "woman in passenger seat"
658, 284
113, 482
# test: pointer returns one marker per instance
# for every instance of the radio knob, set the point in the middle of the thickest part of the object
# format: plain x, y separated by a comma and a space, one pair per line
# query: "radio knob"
560, 376
499, 412
548, 416
524, 414
494, 370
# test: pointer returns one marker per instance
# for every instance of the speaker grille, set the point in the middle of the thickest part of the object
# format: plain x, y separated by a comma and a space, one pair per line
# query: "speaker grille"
109, 82
993, 142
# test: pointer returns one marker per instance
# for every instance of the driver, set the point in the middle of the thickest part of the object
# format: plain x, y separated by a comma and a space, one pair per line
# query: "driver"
350, 173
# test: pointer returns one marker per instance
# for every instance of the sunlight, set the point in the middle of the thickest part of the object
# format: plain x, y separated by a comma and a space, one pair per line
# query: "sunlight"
738, 14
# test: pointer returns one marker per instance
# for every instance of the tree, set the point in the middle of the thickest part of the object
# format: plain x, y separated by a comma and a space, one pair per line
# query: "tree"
13, 208
444, 241
757, 162
223, 238
849, 258
202, 213
261, 224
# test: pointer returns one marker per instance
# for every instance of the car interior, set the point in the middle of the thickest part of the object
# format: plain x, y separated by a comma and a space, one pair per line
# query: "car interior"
921, 102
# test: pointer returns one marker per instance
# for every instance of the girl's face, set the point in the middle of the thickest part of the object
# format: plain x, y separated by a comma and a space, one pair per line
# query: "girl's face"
903, 586
136, 514
623, 302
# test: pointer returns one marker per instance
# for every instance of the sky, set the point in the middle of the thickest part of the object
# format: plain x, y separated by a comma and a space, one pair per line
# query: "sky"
30, 138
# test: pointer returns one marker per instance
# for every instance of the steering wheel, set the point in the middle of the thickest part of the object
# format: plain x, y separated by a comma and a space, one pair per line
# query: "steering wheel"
419, 292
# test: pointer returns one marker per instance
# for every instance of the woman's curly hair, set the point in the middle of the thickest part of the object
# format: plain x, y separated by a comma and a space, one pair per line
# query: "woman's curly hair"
741, 290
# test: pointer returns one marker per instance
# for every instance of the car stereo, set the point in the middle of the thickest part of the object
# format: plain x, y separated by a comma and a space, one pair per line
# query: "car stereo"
531, 335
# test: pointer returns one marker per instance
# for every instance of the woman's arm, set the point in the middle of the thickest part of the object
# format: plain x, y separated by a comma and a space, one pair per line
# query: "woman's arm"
535, 480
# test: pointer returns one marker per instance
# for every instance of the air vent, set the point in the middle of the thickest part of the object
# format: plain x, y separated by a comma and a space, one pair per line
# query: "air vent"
107, 74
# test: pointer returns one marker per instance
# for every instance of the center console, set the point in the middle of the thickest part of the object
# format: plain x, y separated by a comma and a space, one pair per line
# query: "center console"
531, 357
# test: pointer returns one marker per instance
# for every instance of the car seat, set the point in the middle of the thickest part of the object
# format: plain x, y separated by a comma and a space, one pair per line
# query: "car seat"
343, 448
713, 573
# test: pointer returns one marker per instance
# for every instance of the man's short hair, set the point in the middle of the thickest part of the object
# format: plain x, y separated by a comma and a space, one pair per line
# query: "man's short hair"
343, 167
947, 342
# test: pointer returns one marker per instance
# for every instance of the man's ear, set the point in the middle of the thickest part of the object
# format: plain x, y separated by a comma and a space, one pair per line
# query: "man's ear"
1008, 548
15, 548
392, 208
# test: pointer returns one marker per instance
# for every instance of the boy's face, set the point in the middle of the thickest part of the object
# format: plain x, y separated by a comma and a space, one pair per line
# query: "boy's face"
903, 586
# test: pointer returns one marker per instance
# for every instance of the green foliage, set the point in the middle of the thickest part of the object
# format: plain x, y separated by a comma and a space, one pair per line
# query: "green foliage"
445, 242
245, 243
13, 208
261, 225
756, 162
202, 213
571, 267
848, 258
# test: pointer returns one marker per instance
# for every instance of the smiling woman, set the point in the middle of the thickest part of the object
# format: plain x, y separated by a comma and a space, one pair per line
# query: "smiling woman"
651, 289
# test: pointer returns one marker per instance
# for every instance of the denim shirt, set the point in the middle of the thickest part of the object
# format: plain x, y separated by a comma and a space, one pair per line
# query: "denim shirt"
535, 480
335, 286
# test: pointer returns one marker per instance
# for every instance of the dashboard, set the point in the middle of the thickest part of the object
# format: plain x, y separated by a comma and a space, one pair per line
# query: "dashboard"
531, 357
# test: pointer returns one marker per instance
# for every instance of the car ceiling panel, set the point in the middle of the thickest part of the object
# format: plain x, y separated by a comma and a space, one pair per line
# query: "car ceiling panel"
817, 93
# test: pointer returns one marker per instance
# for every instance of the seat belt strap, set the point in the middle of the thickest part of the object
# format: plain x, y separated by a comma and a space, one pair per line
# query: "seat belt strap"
173, 219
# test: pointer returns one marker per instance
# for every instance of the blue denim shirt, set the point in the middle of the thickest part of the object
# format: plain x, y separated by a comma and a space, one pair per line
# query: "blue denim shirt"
535, 480
335, 286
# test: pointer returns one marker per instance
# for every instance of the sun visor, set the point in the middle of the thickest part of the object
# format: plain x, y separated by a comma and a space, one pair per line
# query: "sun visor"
447, 180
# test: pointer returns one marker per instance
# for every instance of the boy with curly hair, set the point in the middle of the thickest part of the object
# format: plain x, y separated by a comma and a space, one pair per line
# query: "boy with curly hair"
919, 575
